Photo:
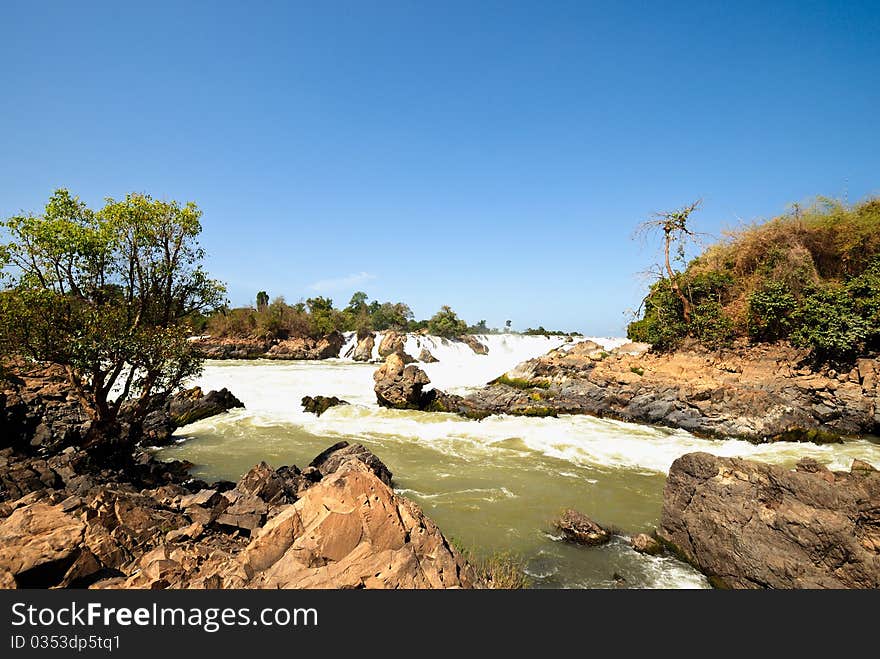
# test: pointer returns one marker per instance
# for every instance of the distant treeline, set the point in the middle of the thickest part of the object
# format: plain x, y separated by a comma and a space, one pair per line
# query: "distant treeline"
811, 277
317, 317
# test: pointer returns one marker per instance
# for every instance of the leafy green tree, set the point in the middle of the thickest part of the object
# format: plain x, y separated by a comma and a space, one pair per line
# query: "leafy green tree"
107, 295
324, 319
391, 316
357, 304
446, 323
262, 301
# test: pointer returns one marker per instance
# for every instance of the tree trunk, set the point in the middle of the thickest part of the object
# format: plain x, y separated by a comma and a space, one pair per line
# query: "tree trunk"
685, 303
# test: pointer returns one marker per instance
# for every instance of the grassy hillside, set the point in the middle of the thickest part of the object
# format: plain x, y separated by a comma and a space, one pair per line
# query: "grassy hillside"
811, 277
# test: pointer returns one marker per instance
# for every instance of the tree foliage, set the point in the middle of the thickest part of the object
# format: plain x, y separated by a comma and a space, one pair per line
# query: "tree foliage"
446, 323
107, 294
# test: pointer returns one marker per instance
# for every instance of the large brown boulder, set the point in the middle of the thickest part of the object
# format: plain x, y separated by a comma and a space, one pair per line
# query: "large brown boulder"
752, 525
351, 531
399, 386
391, 342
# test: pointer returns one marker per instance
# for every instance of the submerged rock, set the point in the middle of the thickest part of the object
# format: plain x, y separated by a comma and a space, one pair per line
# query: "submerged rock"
579, 528
646, 544
747, 524
319, 404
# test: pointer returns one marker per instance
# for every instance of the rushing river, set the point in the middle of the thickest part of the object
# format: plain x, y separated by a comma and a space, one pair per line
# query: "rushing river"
492, 485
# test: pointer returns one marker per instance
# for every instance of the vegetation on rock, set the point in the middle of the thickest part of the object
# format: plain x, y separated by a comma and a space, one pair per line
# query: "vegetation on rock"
811, 277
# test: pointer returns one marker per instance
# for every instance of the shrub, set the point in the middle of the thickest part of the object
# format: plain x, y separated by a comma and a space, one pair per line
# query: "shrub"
770, 310
828, 322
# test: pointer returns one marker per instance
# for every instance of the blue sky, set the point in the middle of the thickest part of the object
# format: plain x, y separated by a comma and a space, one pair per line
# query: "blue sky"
491, 156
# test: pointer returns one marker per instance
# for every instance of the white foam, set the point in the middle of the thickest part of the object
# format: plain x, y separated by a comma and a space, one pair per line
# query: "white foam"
272, 391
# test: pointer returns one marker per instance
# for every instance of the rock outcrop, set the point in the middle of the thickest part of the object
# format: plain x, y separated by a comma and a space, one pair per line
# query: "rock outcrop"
183, 408
399, 386
335, 524
760, 393
363, 352
317, 405
351, 531
305, 347
392, 342
38, 412
192, 405
747, 524
308, 348
579, 528
646, 544
232, 348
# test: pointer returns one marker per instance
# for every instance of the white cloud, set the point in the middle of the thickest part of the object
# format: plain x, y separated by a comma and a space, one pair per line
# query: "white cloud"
341, 283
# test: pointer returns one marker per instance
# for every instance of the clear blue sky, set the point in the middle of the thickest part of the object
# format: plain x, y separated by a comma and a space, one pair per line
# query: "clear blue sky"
491, 156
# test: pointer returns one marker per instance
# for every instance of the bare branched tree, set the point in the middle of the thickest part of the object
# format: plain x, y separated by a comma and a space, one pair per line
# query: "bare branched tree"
676, 234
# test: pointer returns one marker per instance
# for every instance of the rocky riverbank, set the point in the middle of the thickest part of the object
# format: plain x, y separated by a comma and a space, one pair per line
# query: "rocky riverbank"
68, 522
122, 519
759, 393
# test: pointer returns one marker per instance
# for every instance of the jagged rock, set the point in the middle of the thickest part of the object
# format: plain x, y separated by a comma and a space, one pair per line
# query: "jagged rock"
351, 531
645, 544
426, 357
38, 544
331, 459
319, 404
474, 344
364, 350
244, 513
39, 410
399, 386
273, 487
205, 506
747, 524
579, 528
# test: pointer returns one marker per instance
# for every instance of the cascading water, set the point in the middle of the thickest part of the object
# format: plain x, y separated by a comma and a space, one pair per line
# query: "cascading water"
494, 484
